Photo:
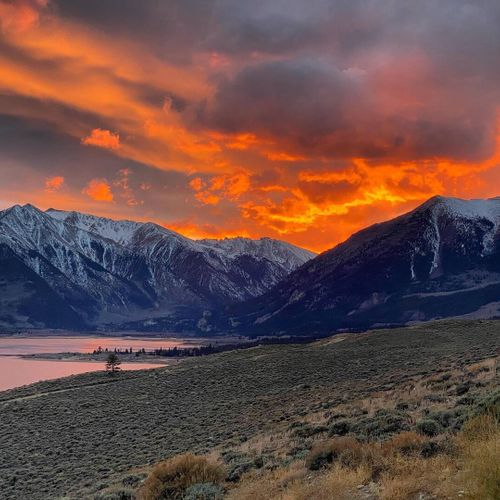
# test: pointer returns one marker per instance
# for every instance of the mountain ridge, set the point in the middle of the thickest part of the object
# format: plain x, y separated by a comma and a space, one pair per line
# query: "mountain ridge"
441, 259
112, 272
378, 275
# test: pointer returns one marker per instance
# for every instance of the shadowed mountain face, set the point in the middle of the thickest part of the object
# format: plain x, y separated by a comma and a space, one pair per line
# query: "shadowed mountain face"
72, 270
442, 259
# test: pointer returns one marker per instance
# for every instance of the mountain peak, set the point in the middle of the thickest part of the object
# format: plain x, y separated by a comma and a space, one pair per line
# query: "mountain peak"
102, 271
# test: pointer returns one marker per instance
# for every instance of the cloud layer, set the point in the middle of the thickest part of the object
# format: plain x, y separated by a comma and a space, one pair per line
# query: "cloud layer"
293, 119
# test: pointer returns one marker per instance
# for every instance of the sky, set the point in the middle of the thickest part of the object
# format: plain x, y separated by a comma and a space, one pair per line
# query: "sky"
303, 120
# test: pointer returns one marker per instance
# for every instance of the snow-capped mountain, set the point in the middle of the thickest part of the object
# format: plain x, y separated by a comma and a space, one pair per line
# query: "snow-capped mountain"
73, 270
440, 260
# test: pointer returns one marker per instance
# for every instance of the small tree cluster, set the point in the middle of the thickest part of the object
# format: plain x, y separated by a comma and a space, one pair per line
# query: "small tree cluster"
113, 363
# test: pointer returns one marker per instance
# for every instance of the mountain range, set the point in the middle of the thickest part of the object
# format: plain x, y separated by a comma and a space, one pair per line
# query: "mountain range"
76, 271
440, 260
72, 270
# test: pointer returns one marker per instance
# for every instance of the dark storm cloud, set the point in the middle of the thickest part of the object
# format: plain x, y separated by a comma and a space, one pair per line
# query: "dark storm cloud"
319, 109
284, 98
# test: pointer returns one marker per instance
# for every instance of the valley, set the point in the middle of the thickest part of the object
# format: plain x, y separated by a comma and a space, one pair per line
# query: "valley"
89, 435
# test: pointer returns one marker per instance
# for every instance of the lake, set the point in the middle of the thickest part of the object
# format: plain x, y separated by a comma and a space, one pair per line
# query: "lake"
16, 371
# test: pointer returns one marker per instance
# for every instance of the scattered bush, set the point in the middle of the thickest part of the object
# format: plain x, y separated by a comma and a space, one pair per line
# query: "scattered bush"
204, 491
133, 480
169, 480
238, 464
308, 430
383, 423
345, 450
461, 389
489, 404
428, 427
340, 428
116, 494
430, 449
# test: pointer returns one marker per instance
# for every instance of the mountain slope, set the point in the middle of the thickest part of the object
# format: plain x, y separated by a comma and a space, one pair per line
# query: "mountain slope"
102, 271
442, 259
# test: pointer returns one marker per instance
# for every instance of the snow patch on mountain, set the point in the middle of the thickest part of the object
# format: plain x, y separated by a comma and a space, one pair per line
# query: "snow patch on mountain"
103, 268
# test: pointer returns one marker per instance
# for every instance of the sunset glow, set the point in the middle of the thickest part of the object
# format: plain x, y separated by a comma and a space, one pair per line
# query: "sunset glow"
299, 124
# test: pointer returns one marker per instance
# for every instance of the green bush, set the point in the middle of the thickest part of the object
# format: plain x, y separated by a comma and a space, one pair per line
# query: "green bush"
340, 428
461, 389
383, 423
488, 404
429, 427
204, 491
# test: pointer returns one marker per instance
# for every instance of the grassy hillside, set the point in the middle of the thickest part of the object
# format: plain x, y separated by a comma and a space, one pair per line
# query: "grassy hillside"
82, 435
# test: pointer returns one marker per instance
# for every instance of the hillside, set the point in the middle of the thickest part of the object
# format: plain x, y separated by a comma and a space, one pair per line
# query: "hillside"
440, 260
79, 436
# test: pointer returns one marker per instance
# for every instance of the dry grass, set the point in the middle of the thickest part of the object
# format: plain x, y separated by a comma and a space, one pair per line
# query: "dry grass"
467, 466
405, 443
340, 483
170, 479
411, 477
480, 442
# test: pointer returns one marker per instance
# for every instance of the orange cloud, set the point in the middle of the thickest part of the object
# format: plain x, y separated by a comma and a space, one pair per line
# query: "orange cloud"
220, 187
98, 190
102, 139
20, 15
54, 183
206, 231
196, 184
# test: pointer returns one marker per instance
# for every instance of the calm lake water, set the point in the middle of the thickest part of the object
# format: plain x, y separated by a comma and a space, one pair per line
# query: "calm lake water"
15, 371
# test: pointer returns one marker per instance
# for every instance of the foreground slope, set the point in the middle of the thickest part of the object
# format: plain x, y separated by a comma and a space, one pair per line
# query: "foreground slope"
440, 260
98, 271
71, 436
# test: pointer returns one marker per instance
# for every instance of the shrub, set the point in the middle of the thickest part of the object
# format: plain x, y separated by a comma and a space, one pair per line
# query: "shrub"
384, 422
452, 419
170, 479
132, 480
429, 427
461, 389
116, 494
407, 443
340, 428
489, 404
237, 470
204, 491
308, 430
238, 464
347, 451
430, 449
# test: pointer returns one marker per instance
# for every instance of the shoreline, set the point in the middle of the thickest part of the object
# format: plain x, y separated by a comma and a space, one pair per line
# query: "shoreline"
186, 339
96, 358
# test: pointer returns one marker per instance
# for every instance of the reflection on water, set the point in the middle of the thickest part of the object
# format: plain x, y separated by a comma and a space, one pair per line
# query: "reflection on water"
23, 345
15, 372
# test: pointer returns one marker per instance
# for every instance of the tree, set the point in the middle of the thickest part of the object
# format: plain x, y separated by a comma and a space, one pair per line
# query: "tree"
113, 363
